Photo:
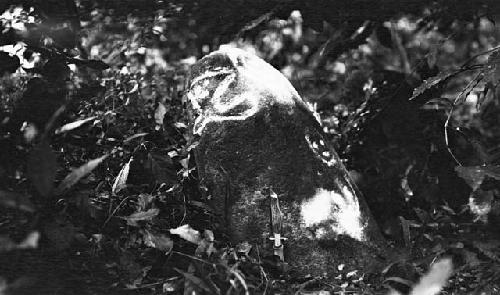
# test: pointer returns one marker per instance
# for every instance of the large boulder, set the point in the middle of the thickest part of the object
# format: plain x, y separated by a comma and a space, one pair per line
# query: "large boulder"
258, 139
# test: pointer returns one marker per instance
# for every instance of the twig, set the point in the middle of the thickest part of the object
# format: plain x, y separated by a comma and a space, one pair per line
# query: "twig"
331, 50
256, 22
307, 283
114, 211
52, 120
144, 286
195, 258
402, 51
447, 122
237, 274
479, 54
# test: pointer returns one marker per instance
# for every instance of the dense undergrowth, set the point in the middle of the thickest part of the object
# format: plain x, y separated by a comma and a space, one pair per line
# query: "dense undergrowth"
99, 192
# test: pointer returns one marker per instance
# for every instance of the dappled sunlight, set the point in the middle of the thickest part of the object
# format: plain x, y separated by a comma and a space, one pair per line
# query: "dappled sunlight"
321, 151
339, 211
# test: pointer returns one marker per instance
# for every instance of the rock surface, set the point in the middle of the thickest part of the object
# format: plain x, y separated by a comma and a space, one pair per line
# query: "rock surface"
258, 137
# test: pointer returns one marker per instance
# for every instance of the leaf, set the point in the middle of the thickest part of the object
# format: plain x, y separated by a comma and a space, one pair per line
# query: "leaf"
91, 63
169, 287
239, 277
140, 216
434, 82
399, 280
160, 112
462, 96
437, 277
474, 175
254, 23
202, 206
492, 171
77, 174
143, 201
245, 248
405, 225
158, 241
180, 125
42, 166
437, 103
489, 86
206, 245
480, 203
121, 180
134, 88
15, 200
493, 70
187, 233
199, 283
30, 132
73, 125
493, 59
96, 64
135, 136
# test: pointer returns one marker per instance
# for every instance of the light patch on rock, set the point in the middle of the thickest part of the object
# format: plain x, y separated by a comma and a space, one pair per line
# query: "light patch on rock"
321, 151
340, 211
318, 208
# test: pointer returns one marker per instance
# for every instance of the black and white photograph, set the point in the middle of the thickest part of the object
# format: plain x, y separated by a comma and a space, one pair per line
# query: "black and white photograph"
226, 147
